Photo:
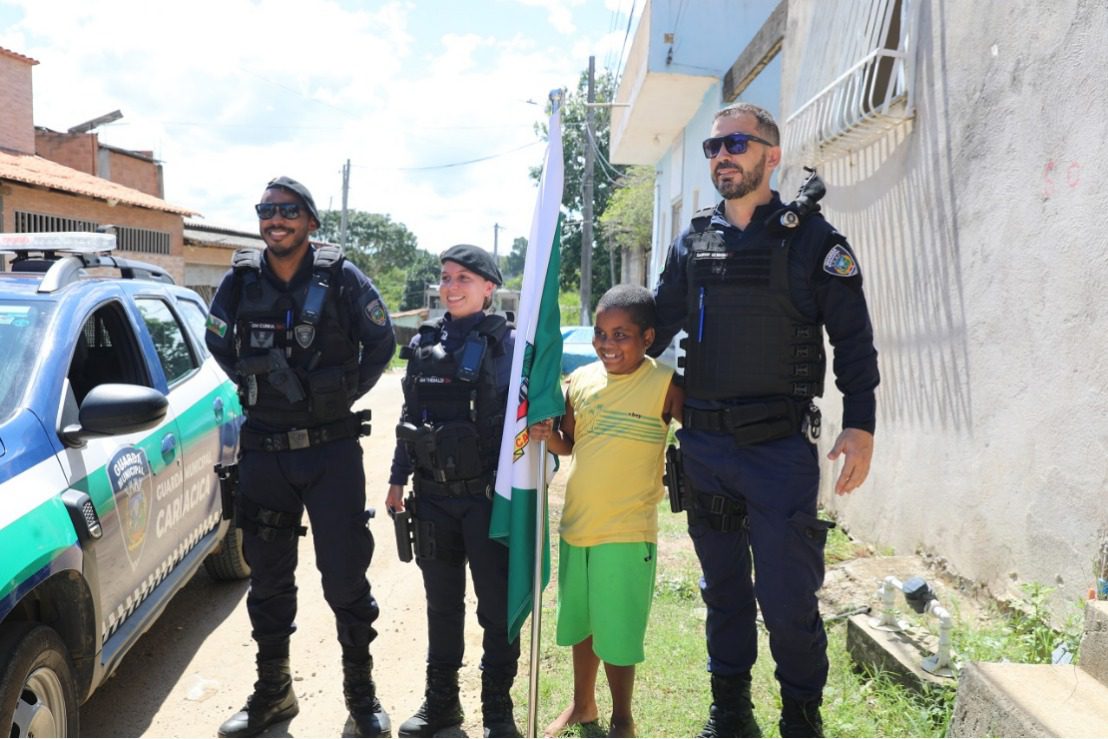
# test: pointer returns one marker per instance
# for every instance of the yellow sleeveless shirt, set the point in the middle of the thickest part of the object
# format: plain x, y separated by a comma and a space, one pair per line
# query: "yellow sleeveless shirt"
615, 475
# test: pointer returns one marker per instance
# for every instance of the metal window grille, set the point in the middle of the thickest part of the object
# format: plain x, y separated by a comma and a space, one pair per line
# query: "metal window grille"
860, 86
142, 240
27, 222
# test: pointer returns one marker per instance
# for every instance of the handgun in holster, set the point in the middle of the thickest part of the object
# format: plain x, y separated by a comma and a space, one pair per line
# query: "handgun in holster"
228, 475
675, 480
405, 531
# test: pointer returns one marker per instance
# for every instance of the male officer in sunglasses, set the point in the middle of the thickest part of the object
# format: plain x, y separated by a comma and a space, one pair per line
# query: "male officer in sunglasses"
304, 334
755, 283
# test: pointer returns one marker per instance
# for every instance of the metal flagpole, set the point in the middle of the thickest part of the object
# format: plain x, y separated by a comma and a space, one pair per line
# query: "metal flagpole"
536, 598
540, 543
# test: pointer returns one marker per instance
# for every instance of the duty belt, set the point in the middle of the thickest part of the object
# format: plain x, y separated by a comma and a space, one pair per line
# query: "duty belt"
348, 428
750, 423
454, 488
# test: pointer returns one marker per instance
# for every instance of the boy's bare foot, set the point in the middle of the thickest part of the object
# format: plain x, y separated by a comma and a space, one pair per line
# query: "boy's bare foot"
572, 715
622, 727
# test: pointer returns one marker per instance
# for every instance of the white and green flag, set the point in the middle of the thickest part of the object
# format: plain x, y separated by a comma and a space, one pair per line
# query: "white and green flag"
534, 393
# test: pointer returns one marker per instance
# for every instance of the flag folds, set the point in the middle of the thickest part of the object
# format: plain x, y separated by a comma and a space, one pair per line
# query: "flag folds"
534, 393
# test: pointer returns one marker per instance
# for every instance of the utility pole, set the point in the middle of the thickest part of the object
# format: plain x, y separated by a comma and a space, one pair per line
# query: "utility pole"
586, 207
345, 193
496, 229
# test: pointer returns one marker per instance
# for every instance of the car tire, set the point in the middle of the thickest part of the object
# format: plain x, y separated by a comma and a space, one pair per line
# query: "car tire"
228, 562
38, 691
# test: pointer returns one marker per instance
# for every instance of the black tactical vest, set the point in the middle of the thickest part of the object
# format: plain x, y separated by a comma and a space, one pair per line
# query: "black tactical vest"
453, 425
297, 356
746, 337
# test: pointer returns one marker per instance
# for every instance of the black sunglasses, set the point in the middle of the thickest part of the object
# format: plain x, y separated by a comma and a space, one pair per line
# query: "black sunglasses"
265, 211
736, 143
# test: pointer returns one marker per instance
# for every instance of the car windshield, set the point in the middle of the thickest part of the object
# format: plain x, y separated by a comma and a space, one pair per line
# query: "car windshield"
22, 324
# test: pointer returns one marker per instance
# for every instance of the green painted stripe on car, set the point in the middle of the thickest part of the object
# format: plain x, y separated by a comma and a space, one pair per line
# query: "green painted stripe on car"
32, 542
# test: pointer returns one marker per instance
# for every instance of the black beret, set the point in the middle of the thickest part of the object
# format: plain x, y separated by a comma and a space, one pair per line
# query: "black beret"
288, 183
475, 259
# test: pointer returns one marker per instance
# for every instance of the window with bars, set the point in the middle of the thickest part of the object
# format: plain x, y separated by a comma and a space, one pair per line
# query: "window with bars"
27, 222
142, 240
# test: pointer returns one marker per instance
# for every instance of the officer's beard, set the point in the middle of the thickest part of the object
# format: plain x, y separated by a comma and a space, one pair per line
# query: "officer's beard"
750, 181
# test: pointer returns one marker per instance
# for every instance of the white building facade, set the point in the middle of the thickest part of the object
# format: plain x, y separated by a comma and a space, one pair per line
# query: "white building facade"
961, 145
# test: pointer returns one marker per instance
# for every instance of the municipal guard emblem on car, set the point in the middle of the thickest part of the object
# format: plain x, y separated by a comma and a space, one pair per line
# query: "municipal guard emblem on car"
840, 262
130, 480
305, 334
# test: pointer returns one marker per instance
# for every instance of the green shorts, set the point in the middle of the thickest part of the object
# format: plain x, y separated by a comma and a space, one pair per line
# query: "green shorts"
605, 591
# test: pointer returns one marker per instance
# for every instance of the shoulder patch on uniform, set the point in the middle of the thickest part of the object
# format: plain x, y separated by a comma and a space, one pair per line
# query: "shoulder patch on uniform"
840, 262
376, 313
217, 326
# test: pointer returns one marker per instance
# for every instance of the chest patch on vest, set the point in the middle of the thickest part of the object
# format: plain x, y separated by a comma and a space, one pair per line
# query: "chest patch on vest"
305, 334
376, 313
840, 262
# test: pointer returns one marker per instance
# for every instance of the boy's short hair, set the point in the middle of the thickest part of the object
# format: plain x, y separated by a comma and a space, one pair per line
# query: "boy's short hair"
636, 300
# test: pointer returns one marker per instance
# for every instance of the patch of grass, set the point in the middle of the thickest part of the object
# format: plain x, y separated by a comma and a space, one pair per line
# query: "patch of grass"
672, 687
1025, 633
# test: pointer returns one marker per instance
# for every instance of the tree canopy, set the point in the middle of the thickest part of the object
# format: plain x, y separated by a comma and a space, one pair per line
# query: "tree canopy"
387, 252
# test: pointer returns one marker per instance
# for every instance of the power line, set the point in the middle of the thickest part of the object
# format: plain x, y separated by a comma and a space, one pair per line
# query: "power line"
623, 46
451, 164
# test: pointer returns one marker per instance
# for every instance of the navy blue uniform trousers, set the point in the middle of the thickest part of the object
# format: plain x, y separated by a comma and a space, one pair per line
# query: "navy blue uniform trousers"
462, 526
328, 480
784, 540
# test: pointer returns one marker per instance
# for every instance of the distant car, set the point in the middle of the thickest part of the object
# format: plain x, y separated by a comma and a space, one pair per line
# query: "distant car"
577, 349
113, 418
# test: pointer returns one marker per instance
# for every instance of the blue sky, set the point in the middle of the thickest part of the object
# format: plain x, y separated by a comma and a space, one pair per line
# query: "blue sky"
230, 93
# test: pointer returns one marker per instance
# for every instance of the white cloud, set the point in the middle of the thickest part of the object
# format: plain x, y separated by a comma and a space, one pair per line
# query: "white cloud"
558, 12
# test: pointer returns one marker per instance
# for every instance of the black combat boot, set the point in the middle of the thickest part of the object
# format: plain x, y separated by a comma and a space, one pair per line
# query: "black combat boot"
441, 708
496, 705
272, 701
732, 711
361, 699
800, 718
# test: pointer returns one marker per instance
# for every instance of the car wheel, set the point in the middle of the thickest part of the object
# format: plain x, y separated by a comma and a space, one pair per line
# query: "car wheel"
38, 692
228, 562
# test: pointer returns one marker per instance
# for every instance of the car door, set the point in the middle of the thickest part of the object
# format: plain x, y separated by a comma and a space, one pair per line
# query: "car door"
192, 509
128, 476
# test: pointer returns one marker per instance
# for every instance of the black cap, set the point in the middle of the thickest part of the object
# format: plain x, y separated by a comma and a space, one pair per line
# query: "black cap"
288, 183
475, 259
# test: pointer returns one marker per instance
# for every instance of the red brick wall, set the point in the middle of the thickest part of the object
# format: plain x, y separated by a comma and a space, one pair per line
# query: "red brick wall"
77, 151
135, 173
17, 127
15, 197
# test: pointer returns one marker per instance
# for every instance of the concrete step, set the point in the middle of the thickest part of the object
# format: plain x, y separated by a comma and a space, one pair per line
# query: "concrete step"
1009, 699
1094, 644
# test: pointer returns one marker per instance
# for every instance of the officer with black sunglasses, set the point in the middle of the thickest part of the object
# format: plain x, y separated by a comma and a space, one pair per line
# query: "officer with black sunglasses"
304, 334
755, 283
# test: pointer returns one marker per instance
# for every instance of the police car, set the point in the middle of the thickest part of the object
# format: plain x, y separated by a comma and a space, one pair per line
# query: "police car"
118, 435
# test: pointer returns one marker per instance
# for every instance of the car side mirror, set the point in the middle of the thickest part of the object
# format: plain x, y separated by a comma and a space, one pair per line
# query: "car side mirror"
115, 408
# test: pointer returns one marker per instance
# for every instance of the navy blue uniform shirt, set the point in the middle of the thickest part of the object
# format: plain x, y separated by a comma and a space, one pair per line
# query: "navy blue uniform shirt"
357, 297
452, 335
820, 295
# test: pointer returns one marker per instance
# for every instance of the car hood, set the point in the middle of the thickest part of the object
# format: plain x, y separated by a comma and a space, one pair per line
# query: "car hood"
23, 444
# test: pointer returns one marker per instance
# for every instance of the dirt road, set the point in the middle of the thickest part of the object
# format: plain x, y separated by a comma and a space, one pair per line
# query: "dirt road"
196, 666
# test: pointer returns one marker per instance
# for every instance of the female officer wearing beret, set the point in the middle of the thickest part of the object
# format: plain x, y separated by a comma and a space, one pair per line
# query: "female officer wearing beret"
448, 441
